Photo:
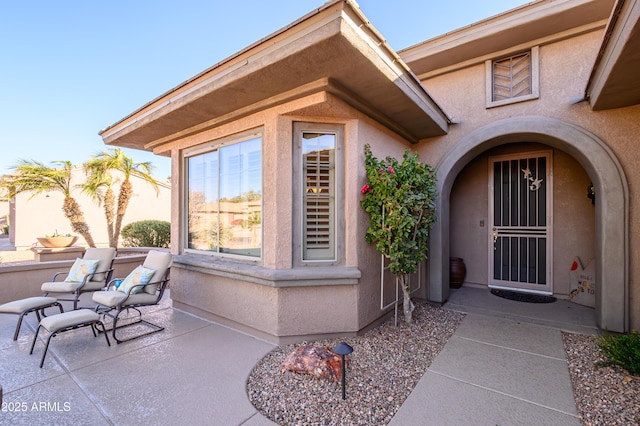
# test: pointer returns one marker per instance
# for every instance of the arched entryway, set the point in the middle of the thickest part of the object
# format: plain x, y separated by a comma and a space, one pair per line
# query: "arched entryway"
611, 216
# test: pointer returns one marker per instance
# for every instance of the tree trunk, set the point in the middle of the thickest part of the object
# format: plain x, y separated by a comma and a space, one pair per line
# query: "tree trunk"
126, 191
407, 304
109, 206
73, 212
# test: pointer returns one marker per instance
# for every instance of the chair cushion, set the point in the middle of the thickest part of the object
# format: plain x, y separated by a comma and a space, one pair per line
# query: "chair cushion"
160, 261
113, 297
59, 287
140, 275
54, 322
22, 305
80, 269
105, 256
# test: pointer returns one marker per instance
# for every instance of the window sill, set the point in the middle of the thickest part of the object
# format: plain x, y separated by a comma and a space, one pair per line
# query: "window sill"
280, 278
510, 101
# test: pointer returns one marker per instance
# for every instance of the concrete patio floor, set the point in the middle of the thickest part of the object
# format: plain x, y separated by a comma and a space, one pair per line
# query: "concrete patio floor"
194, 372
504, 365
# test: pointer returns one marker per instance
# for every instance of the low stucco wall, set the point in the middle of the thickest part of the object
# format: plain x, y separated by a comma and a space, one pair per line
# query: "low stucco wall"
18, 281
273, 307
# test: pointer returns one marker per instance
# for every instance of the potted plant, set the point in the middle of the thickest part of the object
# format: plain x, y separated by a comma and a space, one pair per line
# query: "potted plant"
56, 240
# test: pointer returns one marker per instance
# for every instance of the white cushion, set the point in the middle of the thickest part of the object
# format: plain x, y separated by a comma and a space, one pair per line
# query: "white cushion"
68, 287
19, 306
159, 261
140, 275
104, 256
54, 322
80, 269
113, 297
59, 287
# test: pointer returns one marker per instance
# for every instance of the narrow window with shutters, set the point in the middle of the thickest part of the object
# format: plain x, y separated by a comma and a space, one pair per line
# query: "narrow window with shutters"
319, 195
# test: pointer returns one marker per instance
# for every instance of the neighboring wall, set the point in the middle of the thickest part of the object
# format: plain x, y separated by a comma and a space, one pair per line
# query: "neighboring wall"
18, 281
42, 215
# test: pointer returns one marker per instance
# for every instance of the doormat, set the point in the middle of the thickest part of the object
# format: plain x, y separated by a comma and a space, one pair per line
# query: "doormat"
523, 297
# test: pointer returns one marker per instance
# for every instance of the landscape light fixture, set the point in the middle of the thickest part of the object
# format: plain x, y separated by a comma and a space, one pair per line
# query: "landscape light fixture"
343, 349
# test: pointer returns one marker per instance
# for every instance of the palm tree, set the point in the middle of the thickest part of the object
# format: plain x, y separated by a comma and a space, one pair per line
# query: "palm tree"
98, 186
99, 177
32, 176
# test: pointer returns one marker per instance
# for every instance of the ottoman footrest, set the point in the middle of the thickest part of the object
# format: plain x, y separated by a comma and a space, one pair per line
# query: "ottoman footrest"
56, 324
23, 307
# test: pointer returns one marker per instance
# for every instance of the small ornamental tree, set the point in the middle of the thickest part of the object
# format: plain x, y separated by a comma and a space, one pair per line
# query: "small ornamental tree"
400, 201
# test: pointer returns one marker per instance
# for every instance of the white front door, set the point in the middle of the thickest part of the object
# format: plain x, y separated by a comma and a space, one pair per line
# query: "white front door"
520, 240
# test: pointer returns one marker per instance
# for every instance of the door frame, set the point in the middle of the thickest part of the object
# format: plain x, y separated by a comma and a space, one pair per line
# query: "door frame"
491, 235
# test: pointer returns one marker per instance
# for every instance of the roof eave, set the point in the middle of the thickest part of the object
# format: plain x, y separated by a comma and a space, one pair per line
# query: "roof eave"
614, 81
334, 42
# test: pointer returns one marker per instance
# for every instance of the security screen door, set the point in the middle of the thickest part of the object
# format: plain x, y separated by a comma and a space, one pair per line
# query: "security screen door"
519, 208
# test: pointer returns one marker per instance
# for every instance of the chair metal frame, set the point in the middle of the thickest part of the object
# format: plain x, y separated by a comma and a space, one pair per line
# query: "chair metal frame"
95, 326
115, 311
78, 291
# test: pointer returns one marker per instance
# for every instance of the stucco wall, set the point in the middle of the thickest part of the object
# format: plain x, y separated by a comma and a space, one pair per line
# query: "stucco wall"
383, 143
564, 71
274, 298
42, 215
349, 300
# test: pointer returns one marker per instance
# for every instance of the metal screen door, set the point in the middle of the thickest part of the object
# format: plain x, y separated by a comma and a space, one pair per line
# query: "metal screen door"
520, 238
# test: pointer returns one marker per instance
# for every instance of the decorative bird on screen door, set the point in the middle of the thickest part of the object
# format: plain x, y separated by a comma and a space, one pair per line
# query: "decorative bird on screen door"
535, 182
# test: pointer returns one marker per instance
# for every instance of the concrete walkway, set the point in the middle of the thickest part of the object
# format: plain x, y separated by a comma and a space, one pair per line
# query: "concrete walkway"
505, 365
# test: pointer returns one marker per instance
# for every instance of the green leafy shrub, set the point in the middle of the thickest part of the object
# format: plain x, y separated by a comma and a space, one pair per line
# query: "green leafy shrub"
399, 197
147, 233
623, 350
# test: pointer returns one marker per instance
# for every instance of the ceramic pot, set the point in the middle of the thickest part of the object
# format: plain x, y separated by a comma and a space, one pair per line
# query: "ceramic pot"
57, 242
457, 272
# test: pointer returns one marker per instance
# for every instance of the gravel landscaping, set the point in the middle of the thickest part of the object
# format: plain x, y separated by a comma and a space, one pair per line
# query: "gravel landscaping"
390, 362
605, 395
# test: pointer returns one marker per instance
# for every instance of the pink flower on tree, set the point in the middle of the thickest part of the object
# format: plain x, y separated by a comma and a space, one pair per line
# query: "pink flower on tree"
391, 169
365, 188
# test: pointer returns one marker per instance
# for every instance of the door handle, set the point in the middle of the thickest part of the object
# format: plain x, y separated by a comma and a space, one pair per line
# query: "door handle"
495, 238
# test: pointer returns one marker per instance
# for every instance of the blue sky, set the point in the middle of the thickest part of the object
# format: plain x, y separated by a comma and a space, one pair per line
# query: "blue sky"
70, 68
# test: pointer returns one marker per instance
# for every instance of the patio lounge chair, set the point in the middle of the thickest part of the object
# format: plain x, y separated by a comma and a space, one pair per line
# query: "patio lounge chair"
23, 307
91, 273
142, 287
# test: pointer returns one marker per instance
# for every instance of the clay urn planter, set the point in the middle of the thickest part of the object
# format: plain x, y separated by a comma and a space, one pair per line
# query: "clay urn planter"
57, 242
457, 273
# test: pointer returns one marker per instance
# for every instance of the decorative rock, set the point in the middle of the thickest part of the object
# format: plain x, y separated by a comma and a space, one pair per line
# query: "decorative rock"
318, 361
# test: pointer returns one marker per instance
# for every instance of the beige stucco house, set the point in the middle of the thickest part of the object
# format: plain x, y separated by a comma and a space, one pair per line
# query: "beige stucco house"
524, 116
32, 216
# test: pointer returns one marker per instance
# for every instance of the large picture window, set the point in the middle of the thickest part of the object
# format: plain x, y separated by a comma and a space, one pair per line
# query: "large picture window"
224, 198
